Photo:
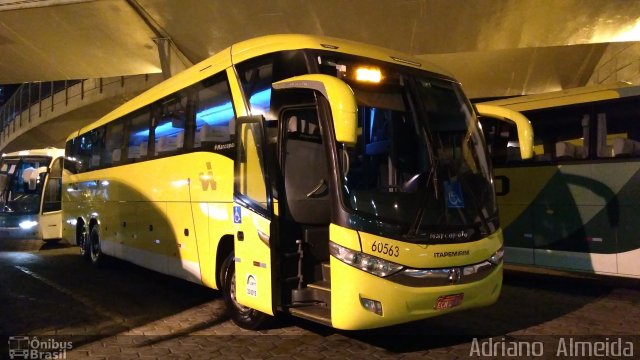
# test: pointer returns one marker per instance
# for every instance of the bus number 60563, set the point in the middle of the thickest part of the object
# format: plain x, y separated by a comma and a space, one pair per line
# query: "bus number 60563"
391, 250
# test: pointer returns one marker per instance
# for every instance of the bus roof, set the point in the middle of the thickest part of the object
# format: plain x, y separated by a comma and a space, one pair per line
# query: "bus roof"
247, 49
50, 151
568, 97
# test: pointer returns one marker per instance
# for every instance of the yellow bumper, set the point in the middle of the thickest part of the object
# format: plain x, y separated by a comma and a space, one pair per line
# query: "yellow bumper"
400, 303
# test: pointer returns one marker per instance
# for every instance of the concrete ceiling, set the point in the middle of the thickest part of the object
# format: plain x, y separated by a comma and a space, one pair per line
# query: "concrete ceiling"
495, 47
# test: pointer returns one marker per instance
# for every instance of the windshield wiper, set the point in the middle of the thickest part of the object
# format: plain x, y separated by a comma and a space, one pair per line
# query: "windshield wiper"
417, 221
483, 218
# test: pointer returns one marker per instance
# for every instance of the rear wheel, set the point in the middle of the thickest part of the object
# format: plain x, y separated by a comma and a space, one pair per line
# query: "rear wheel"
241, 315
95, 252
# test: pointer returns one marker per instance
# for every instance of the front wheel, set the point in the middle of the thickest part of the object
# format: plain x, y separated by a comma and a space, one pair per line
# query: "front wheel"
245, 317
82, 240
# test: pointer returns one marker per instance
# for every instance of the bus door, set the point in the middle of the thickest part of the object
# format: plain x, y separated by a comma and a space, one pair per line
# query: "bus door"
252, 217
306, 207
51, 218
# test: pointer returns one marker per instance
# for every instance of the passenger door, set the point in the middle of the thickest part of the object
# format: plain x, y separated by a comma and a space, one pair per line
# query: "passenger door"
252, 215
51, 219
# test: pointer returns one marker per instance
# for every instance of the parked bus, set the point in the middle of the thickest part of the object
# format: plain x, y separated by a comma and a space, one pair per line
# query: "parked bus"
335, 181
574, 205
30, 186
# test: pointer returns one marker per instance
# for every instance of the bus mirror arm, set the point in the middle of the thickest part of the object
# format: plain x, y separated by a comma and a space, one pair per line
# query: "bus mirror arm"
525, 131
340, 97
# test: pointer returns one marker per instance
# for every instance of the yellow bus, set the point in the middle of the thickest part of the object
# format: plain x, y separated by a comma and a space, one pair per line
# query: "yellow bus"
335, 181
574, 205
30, 194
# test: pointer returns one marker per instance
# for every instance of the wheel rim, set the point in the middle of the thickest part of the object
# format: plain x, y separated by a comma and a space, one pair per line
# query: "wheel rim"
232, 291
82, 241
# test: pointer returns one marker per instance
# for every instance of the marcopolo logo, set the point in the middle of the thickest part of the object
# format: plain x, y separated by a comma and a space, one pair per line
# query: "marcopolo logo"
28, 347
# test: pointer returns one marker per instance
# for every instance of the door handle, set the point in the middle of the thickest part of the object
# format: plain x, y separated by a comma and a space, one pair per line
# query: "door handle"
240, 236
264, 237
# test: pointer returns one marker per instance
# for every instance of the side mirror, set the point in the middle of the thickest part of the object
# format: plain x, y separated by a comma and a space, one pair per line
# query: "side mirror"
341, 99
525, 131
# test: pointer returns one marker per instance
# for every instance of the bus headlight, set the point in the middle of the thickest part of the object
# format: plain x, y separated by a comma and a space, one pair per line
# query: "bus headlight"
27, 224
362, 261
496, 258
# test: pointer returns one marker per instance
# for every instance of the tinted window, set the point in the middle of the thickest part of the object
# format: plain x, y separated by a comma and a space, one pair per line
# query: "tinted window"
169, 131
112, 150
559, 135
214, 114
138, 139
258, 74
617, 128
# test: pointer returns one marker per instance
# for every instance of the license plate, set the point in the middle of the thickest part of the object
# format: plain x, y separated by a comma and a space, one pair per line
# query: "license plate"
448, 301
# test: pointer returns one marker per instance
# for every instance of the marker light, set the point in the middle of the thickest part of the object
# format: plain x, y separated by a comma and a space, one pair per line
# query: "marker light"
362, 261
496, 258
367, 74
372, 305
27, 224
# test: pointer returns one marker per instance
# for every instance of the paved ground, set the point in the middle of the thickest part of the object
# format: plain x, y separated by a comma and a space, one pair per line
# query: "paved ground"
49, 295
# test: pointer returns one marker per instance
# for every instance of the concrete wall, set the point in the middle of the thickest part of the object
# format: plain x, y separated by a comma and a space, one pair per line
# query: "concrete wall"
620, 62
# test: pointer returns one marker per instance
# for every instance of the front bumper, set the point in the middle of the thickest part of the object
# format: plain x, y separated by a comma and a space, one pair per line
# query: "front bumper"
400, 303
19, 233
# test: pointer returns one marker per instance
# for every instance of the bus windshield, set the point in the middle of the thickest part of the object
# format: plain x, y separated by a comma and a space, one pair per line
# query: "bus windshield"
420, 161
21, 184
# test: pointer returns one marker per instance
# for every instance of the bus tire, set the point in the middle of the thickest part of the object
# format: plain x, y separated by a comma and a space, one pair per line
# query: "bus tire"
82, 242
95, 252
244, 317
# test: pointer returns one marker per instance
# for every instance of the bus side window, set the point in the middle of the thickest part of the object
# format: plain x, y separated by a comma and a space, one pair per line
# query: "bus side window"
169, 130
85, 151
214, 114
112, 149
96, 137
72, 163
138, 135
618, 130
257, 75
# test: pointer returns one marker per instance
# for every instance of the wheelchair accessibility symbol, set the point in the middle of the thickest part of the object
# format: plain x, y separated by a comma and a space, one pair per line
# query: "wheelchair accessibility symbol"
237, 215
453, 192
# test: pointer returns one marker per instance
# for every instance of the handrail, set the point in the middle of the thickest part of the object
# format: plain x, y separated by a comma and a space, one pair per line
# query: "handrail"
48, 95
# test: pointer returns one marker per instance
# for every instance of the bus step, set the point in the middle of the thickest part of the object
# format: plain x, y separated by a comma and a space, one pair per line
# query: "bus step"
316, 313
326, 271
314, 293
321, 285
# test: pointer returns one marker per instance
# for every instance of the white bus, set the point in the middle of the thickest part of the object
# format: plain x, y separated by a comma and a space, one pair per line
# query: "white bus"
30, 186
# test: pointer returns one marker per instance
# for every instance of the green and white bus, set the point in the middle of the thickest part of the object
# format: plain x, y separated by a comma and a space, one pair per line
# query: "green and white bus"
575, 204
